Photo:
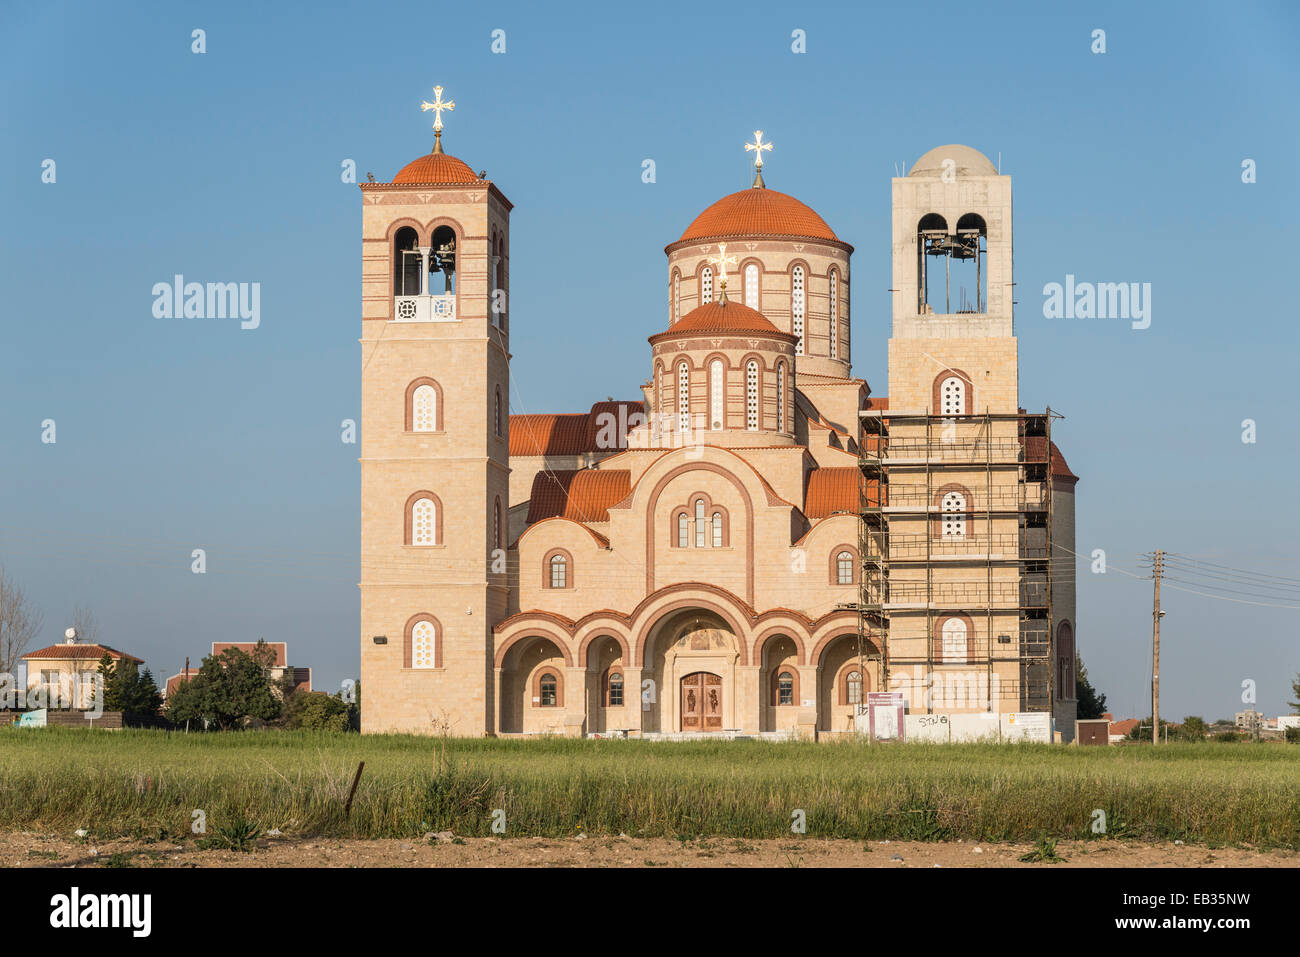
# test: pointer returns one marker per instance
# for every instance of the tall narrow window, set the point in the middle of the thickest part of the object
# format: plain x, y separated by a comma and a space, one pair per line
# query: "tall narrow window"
424, 642
683, 531
496, 523
952, 396
683, 399
497, 412
953, 520
717, 529
549, 691
751, 286
706, 285
954, 641
798, 301
854, 687
835, 314
751, 395
559, 572
844, 568
677, 298
615, 697
424, 409
701, 528
780, 397
715, 394
785, 688
423, 522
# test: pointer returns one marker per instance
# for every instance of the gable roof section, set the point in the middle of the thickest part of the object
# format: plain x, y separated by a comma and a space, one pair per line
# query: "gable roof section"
581, 495
833, 490
79, 653
569, 433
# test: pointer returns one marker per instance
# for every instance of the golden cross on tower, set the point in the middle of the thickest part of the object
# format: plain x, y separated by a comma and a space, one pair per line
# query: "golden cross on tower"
721, 261
757, 147
437, 106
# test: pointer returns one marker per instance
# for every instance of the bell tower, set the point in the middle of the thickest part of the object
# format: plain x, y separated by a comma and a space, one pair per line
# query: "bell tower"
434, 442
952, 285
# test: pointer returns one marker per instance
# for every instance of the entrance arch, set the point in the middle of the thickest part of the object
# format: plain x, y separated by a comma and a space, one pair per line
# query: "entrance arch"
692, 658
701, 701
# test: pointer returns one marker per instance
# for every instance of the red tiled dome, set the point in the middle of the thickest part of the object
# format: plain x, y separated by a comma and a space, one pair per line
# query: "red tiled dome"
433, 169
719, 317
758, 211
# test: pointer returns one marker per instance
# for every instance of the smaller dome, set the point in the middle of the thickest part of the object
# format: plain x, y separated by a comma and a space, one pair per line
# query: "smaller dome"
966, 161
723, 317
434, 169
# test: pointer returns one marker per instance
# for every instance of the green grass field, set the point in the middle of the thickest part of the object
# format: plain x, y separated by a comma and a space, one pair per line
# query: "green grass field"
147, 783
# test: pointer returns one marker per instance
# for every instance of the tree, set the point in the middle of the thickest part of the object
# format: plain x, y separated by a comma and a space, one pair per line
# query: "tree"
227, 691
316, 711
19, 623
1193, 728
1295, 690
1091, 704
85, 625
126, 688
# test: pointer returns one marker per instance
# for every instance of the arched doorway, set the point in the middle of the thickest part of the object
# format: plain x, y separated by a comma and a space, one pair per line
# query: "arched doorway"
691, 659
533, 692
843, 681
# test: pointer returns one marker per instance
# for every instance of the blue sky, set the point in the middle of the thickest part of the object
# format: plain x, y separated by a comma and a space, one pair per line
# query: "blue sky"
225, 166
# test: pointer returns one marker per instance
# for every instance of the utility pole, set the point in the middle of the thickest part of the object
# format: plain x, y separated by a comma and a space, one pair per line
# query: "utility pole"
1156, 615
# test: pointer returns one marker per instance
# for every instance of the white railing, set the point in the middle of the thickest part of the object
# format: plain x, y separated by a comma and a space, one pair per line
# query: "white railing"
425, 308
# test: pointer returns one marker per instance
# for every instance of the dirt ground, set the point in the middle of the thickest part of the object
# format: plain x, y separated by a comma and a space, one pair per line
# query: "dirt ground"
42, 850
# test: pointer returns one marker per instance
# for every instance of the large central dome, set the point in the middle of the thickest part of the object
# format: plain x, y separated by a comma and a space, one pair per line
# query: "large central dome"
758, 211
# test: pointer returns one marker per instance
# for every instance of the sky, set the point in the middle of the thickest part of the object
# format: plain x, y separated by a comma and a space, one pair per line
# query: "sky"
226, 165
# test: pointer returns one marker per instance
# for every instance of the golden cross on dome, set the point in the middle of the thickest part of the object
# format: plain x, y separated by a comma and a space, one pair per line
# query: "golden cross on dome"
757, 148
721, 261
437, 106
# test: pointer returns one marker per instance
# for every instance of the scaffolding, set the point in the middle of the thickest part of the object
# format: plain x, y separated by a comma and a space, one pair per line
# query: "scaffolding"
921, 561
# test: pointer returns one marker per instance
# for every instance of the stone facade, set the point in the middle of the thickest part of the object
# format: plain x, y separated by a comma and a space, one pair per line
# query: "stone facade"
688, 560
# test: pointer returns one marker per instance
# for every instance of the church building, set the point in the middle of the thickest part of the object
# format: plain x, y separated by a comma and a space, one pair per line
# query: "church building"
751, 542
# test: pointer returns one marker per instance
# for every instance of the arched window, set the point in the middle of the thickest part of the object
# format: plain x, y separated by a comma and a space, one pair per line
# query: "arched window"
717, 529
751, 395
853, 687
442, 258
798, 300
1065, 686
559, 571
614, 690
780, 397
835, 314
496, 523
751, 286
715, 394
701, 528
954, 641
406, 263
683, 531
953, 508
424, 409
424, 522
496, 412
676, 311
423, 644
683, 398
785, 688
844, 568
952, 396
706, 285
548, 687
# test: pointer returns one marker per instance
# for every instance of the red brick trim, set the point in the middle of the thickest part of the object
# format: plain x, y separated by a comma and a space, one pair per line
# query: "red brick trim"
585, 645
437, 516
407, 639
937, 637
410, 403
779, 631
556, 673
775, 686
651, 508
835, 565
568, 567
936, 523
937, 400
842, 681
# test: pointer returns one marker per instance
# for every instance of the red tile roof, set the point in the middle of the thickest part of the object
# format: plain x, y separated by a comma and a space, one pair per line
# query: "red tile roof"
569, 433
433, 169
583, 495
1123, 727
758, 212
832, 490
248, 647
1034, 453
730, 316
80, 653
878, 402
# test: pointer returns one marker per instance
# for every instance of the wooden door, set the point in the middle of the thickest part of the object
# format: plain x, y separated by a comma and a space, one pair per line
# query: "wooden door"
701, 702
